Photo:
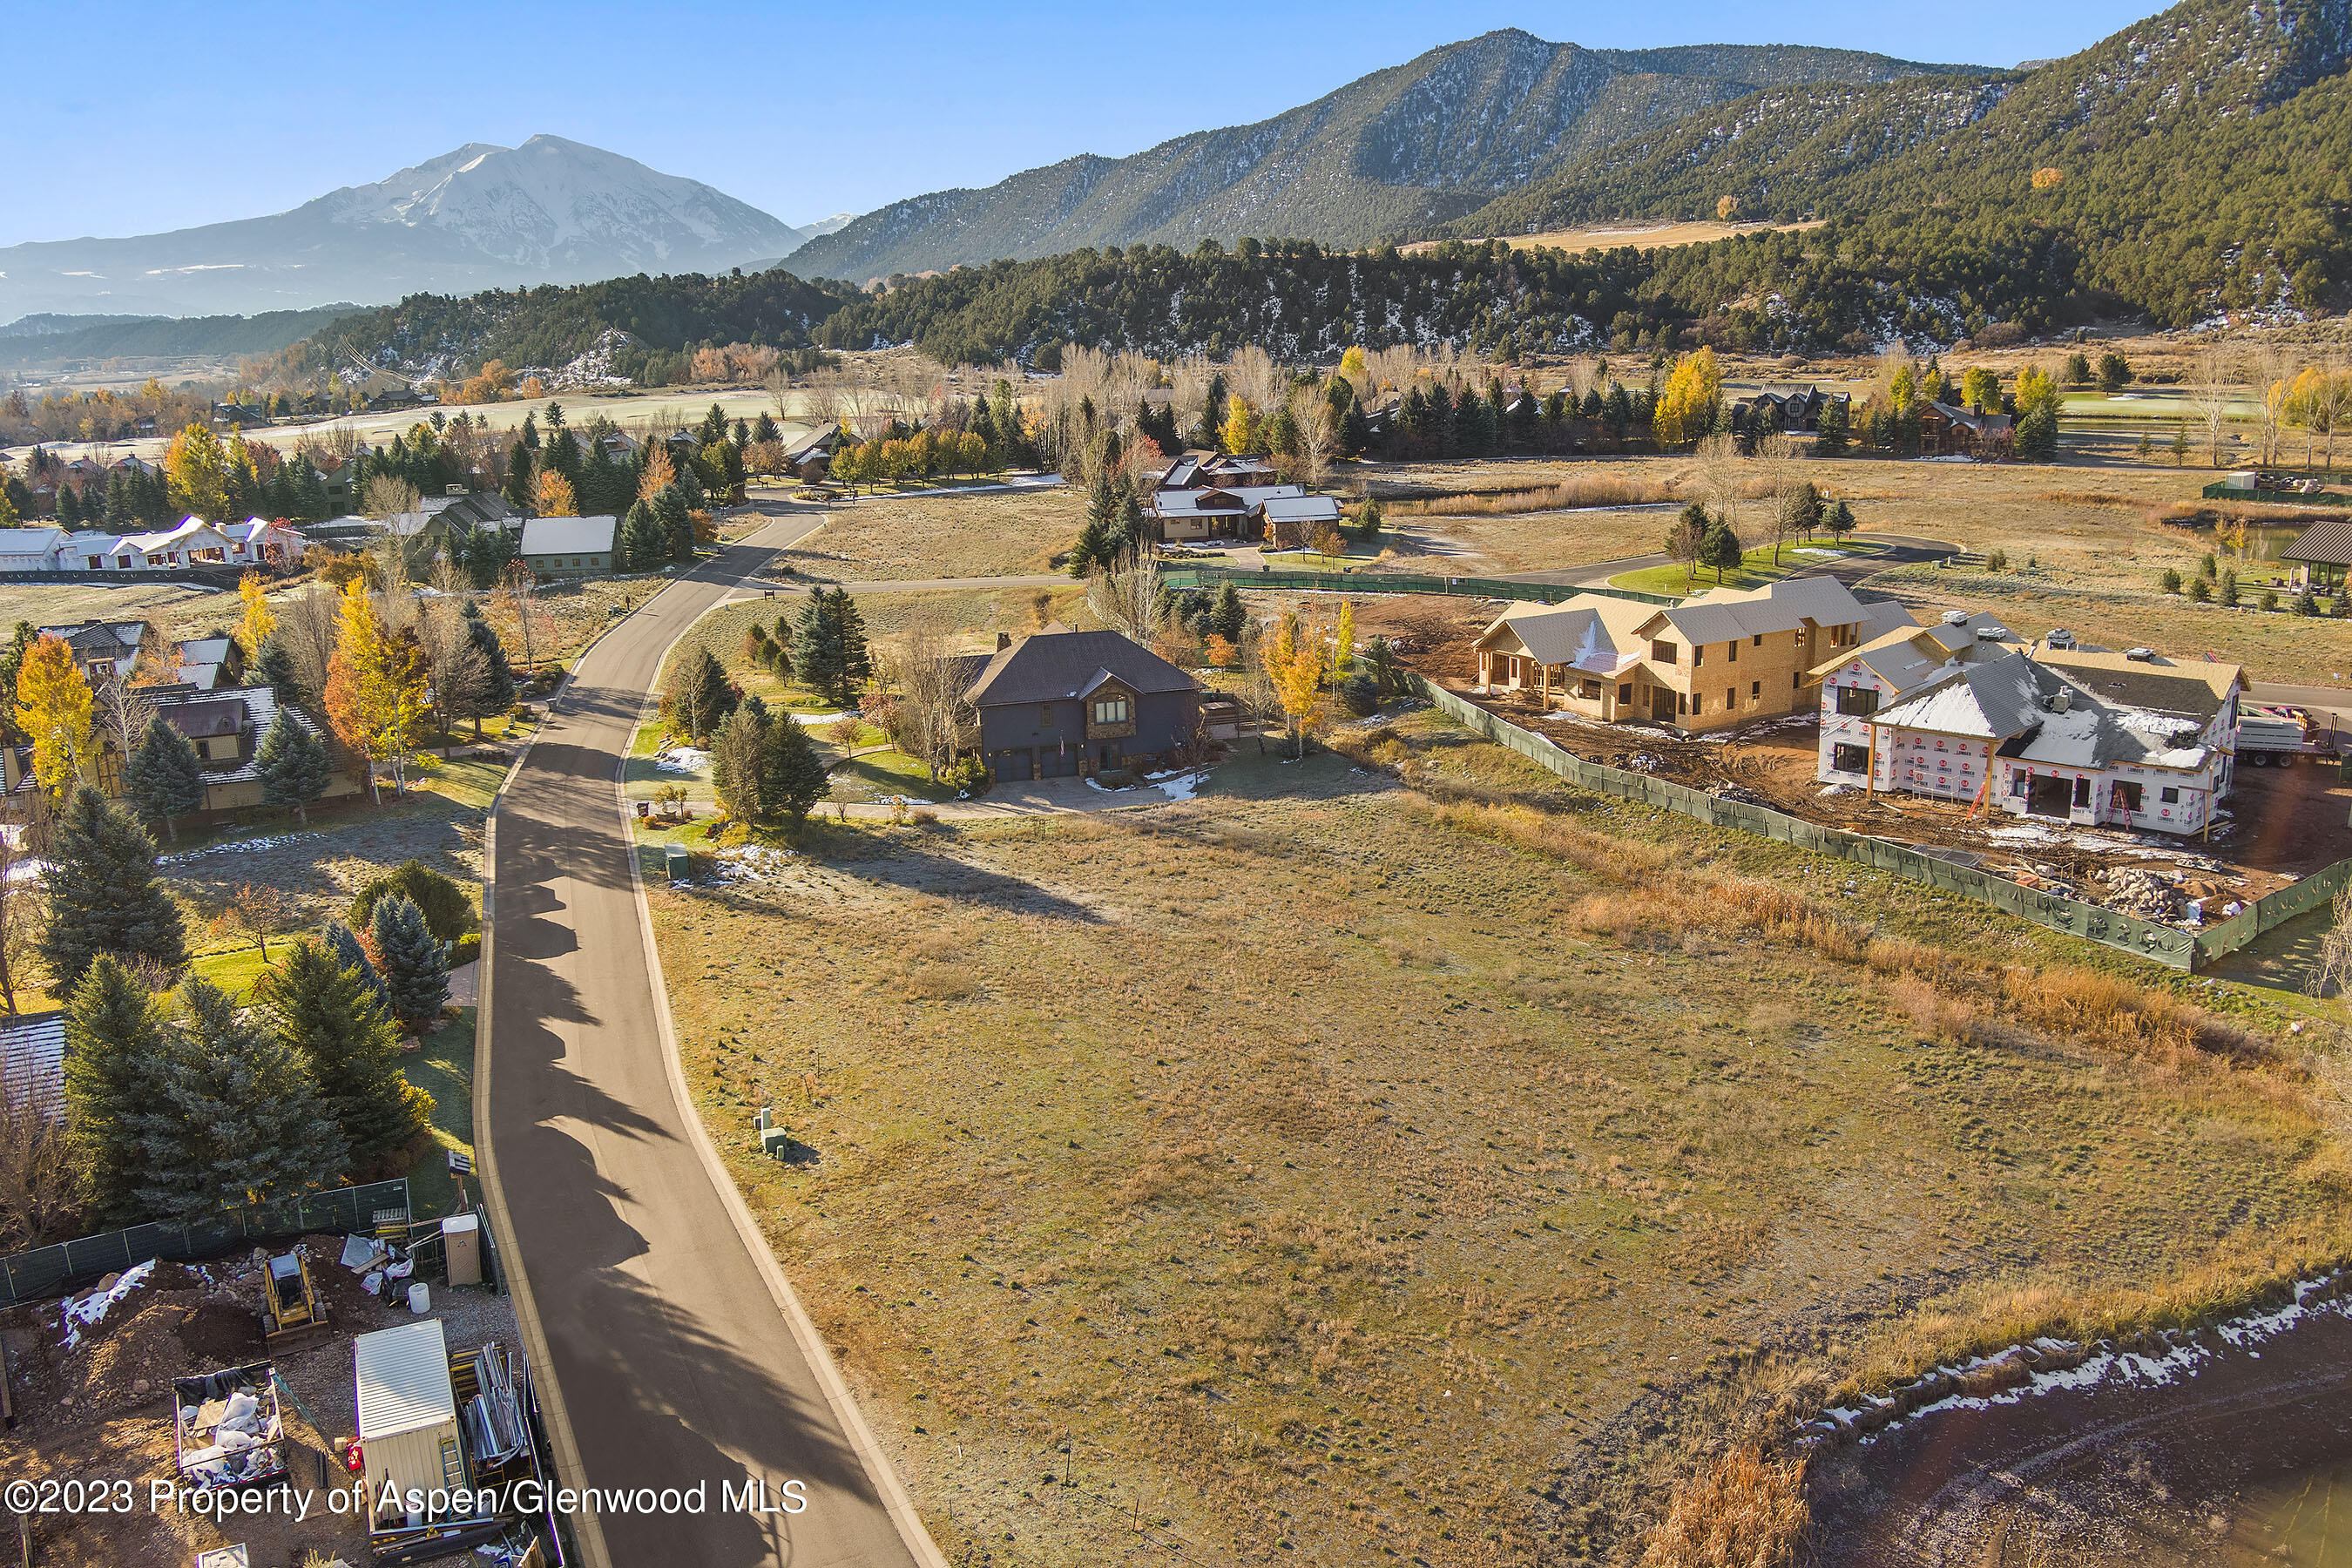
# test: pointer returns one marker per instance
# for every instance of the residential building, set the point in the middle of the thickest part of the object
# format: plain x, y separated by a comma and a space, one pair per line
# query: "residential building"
1946, 428
205, 663
568, 546
1858, 683
258, 542
194, 542
2130, 741
1285, 516
1794, 408
2321, 554
810, 460
31, 549
1061, 703
439, 522
1727, 658
104, 649
226, 727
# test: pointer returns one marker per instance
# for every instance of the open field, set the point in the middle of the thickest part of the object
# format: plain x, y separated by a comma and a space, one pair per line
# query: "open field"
1755, 569
66, 604
995, 534
1322, 1166
1642, 237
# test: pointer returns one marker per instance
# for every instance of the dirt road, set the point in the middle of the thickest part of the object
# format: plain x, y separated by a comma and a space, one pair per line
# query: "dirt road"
677, 1360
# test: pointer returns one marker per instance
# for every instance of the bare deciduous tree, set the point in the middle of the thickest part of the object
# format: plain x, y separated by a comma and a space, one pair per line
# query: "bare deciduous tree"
1313, 415
1776, 455
2215, 370
1127, 598
388, 496
40, 1178
931, 720
1721, 469
22, 907
307, 627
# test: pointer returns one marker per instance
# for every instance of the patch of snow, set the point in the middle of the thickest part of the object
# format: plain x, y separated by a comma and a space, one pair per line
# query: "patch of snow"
236, 846
91, 1310
681, 760
1181, 786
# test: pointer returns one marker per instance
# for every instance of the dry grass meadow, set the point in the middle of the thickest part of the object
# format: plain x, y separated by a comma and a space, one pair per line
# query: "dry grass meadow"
880, 538
1328, 1170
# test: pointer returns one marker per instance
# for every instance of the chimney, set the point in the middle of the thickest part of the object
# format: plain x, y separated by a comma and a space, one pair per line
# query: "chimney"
2060, 700
1003, 641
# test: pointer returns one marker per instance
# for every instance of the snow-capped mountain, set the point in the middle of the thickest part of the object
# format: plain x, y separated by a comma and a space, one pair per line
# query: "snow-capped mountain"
550, 211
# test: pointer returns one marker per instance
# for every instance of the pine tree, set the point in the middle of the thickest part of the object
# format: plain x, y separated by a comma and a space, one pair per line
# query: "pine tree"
1231, 617
104, 896
68, 508
738, 755
2037, 433
497, 686
114, 1048
416, 968
294, 765
1721, 548
238, 1121
348, 952
329, 1014
521, 488
792, 776
166, 779
676, 520
829, 646
1832, 435
645, 539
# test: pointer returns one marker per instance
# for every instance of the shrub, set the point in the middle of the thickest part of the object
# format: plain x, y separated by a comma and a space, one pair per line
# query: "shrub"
2228, 595
2305, 605
449, 913
2200, 590
2270, 599
1996, 559
967, 776
2170, 581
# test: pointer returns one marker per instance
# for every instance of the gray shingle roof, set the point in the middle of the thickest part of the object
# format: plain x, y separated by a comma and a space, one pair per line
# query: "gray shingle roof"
1052, 667
568, 536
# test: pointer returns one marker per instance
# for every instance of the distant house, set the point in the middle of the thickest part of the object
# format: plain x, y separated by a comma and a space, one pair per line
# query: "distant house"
1719, 660
2321, 554
33, 1063
446, 521
568, 546
1284, 515
226, 727
103, 648
31, 549
193, 542
1061, 704
1946, 428
258, 541
205, 663
1793, 408
810, 459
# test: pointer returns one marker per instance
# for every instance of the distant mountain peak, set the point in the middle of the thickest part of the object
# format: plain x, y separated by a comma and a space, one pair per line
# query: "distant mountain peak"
478, 216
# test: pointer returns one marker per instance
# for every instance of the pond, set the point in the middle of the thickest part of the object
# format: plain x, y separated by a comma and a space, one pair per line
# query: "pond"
2301, 1521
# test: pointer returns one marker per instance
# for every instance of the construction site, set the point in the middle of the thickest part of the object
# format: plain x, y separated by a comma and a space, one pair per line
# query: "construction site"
2280, 824
247, 1392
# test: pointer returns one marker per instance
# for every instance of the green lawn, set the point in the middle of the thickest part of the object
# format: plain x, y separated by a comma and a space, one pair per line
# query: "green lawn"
877, 775
235, 970
1756, 571
1311, 560
444, 1069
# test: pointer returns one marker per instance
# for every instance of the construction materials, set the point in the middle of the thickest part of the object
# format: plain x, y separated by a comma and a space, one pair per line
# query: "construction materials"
461, 1248
226, 1426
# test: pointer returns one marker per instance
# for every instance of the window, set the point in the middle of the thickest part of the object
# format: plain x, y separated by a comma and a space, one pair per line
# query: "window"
2170, 797
2127, 795
1686, 704
1731, 698
1857, 699
1759, 639
1589, 690
1665, 652
1731, 650
1110, 710
1624, 693
1698, 655
1847, 758
1756, 690
2082, 792
1795, 680
1046, 716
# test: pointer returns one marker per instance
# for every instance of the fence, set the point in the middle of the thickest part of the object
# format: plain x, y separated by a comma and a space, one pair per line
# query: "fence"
2168, 945
1182, 577
2221, 490
52, 1270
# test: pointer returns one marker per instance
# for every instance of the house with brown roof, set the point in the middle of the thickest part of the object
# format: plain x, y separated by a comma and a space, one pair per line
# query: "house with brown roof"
1066, 704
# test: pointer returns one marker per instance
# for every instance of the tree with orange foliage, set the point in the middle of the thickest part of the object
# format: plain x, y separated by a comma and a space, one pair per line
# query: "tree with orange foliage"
555, 495
375, 689
659, 473
1293, 656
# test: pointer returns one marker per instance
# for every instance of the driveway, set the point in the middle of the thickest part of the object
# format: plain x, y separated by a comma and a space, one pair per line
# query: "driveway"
669, 1338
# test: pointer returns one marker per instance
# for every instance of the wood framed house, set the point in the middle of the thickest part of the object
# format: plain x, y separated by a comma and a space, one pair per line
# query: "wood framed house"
1066, 704
1946, 429
1727, 658
31, 549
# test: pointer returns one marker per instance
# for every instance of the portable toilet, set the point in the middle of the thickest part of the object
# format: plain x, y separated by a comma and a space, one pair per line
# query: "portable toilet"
407, 1412
461, 1244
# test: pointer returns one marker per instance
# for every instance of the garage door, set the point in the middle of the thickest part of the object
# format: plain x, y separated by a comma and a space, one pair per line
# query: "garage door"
1013, 767
1054, 763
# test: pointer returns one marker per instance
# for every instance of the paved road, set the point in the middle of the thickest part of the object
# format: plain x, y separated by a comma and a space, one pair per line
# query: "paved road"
1903, 548
674, 1361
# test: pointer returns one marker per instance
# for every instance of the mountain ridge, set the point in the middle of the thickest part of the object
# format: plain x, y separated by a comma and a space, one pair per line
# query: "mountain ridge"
1410, 145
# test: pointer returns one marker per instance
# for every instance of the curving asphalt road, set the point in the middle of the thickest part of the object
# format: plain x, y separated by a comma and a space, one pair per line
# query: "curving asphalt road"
674, 1350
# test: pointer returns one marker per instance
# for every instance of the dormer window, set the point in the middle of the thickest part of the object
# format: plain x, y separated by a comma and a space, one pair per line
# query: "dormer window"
1110, 710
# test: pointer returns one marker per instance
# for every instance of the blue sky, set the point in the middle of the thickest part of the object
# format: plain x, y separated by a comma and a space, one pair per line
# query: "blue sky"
133, 118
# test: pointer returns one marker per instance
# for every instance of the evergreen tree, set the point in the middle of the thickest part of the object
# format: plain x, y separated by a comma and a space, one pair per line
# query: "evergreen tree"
1832, 435
1130, 522
738, 756
113, 1065
765, 430
792, 776
522, 488
414, 967
68, 508
166, 779
1721, 548
1231, 618
678, 525
449, 913
2037, 433
294, 765
117, 507
238, 1121
348, 952
104, 896
1838, 520
645, 538
496, 692
700, 697
329, 1014
561, 452
829, 646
